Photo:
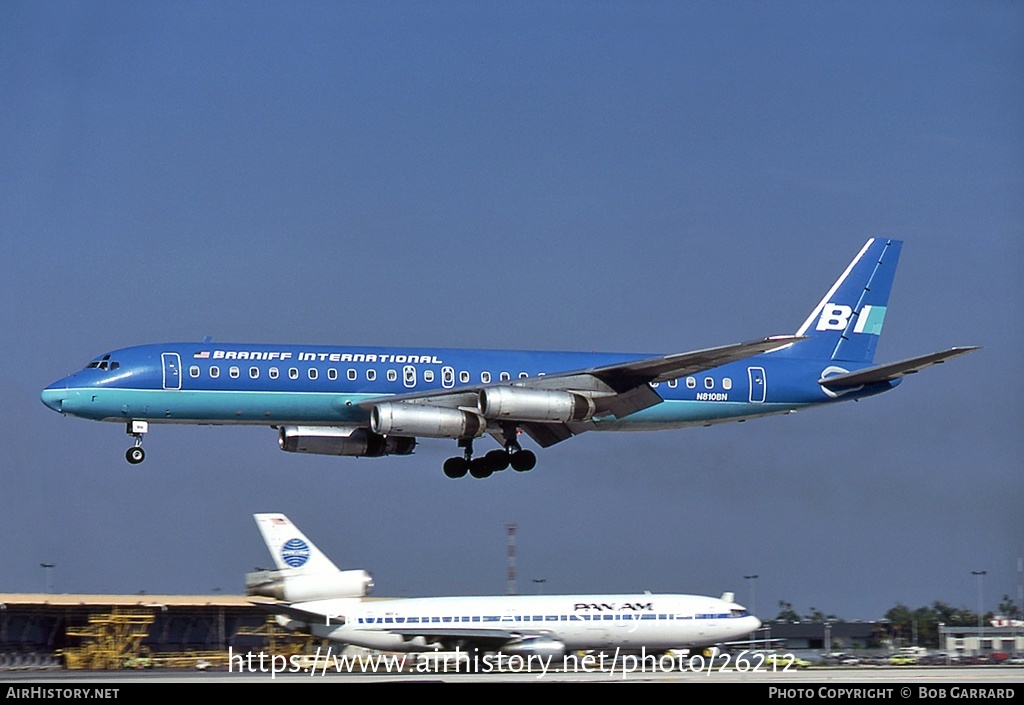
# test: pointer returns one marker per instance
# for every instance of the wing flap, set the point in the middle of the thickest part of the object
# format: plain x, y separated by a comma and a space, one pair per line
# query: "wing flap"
546, 434
893, 370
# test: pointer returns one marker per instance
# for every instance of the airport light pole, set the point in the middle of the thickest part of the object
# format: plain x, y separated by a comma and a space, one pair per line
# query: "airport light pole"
753, 592
981, 576
48, 567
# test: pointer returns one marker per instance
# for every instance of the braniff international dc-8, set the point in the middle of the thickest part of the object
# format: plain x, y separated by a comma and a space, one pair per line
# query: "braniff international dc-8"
377, 401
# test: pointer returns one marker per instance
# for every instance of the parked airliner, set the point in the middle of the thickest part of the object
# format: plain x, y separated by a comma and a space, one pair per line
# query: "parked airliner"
315, 597
367, 401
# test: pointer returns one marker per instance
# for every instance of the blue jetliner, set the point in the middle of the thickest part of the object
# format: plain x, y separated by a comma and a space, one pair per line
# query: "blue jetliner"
369, 401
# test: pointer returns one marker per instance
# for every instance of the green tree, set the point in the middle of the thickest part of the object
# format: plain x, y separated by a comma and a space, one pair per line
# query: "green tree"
918, 627
1008, 608
900, 619
817, 615
955, 616
786, 612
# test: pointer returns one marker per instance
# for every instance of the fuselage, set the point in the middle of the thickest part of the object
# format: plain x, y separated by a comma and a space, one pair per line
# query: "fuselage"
200, 383
574, 621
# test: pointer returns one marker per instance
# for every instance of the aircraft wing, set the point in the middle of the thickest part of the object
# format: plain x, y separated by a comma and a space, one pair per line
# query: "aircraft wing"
449, 637
893, 370
623, 376
618, 389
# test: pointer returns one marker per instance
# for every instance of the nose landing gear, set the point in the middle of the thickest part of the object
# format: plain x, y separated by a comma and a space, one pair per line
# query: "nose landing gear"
136, 429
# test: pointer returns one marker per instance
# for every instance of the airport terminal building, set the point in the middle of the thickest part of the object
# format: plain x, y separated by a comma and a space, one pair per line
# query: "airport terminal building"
39, 631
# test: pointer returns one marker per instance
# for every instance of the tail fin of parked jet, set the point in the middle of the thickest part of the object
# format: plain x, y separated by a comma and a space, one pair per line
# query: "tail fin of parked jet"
846, 324
290, 548
303, 571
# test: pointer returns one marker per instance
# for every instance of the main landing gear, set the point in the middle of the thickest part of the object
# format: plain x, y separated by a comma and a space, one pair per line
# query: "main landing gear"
494, 461
136, 429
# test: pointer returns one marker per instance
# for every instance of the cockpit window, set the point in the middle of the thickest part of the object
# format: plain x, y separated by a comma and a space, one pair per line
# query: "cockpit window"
104, 363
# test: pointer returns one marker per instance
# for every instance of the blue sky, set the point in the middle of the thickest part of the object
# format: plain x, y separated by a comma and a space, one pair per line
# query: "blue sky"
649, 177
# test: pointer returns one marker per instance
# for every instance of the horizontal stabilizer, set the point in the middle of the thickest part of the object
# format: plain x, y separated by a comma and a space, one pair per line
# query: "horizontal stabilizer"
288, 610
892, 371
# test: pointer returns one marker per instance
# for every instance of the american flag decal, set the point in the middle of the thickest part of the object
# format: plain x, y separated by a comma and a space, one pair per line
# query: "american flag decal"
202, 355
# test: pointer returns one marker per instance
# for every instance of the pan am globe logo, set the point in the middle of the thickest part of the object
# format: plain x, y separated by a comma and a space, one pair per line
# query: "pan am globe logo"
295, 552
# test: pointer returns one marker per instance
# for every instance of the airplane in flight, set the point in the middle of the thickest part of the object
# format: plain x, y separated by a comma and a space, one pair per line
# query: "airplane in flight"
313, 596
372, 402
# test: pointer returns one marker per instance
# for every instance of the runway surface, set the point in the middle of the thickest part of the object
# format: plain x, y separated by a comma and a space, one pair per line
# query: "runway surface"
988, 676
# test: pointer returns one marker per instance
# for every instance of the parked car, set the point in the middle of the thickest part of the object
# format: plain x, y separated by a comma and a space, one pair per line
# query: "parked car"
782, 661
902, 660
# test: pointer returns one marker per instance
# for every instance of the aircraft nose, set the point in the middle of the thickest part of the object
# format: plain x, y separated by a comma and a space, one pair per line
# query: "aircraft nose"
54, 395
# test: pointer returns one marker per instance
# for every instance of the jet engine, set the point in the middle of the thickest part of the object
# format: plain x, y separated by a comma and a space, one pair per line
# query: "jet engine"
340, 440
422, 420
517, 404
303, 588
542, 646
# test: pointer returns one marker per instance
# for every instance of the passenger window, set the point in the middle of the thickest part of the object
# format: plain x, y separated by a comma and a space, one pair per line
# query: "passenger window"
332, 374
691, 383
371, 375
254, 372
392, 375
272, 373
463, 377
409, 376
193, 371
523, 375
709, 383
504, 376
351, 375
428, 376
312, 373
447, 377
293, 373
214, 372
673, 383
485, 377
727, 383
233, 372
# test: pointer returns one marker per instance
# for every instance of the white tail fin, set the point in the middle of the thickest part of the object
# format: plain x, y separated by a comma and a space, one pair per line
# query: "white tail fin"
290, 548
303, 573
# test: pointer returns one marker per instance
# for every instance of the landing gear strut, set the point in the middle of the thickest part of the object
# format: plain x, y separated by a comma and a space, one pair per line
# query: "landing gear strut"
495, 461
520, 460
136, 429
